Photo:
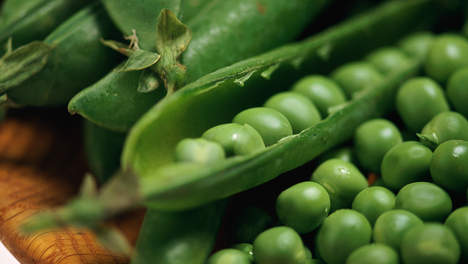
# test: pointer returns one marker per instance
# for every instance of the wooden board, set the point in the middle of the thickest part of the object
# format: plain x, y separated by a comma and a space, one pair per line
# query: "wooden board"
41, 167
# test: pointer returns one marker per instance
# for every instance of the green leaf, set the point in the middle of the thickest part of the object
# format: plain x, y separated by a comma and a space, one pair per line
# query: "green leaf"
118, 46
147, 82
140, 60
23, 63
9, 46
172, 38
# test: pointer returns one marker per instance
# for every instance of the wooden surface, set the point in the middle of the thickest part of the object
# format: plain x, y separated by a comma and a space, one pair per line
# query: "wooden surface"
41, 166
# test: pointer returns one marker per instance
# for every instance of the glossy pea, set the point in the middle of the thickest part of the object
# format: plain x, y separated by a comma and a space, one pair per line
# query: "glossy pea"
405, 163
250, 222
303, 206
247, 248
457, 221
357, 76
341, 233
236, 139
199, 150
373, 254
430, 243
297, 108
229, 256
449, 165
279, 245
373, 201
270, 123
444, 126
372, 140
448, 53
322, 91
418, 101
388, 60
342, 180
457, 91
392, 225
426, 200
417, 45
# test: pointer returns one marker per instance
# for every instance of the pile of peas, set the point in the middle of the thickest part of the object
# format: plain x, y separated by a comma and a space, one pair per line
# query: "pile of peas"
407, 214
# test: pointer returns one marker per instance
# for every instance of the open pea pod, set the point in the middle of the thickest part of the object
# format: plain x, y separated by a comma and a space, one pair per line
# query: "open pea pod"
72, 57
223, 32
217, 97
28, 20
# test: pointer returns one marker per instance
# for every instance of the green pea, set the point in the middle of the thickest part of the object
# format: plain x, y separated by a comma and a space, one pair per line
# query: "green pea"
388, 60
417, 45
342, 180
405, 163
373, 254
250, 222
271, 124
344, 153
418, 101
246, 248
341, 233
426, 200
449, 165
373, 201
391, 226
236, 139
297, 108
357, 76
229, 256
322, 91
199, 150
444, 126
430, 243
279, 245
457, 91
372, 140
448, 53
303, 206
457, 221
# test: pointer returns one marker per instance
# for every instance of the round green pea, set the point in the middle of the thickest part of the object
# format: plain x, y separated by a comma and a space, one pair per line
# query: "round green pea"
341, 233
344, 153
271, 124
229, 256
373, 201
388, 60
342, 180
355, 77
303, 206
297, 108
405, 163
373, 254
236, 139
392, 225
250, 222
417, 45
322, 91
449, 165
418, 101
448, 53
199, 150
444, 126
279, 245
430, 244
457, 221
457, 91
246, 248
426, 200
372, 140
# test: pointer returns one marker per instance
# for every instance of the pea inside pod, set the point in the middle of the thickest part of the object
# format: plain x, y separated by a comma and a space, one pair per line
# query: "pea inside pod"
355, 77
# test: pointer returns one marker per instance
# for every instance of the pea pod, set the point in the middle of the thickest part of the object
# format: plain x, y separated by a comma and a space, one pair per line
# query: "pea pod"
74, 59
167, 123
28, 20
216, 31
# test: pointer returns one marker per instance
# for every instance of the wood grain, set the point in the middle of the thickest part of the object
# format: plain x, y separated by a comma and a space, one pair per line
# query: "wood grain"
41, 167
